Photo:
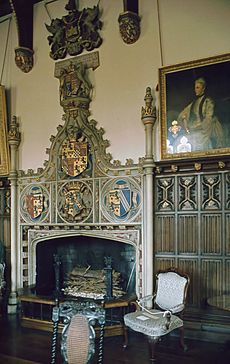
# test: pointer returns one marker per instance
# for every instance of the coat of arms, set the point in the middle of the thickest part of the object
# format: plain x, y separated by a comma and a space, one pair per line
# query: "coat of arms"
121, 199
74, 32
75, 201
35, 202
74, 156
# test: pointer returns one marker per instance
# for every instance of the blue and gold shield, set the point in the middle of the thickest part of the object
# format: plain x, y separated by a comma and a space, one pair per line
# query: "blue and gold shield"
120, 200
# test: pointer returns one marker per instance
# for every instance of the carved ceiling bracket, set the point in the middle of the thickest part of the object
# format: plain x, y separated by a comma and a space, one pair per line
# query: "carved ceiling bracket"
129, 22
23, 13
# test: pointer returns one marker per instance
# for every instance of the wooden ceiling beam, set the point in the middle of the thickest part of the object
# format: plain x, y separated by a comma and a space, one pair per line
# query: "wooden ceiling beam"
23, 13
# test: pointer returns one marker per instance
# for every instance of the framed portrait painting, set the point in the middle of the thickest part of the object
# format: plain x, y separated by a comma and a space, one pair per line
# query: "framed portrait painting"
195, 108
4, 147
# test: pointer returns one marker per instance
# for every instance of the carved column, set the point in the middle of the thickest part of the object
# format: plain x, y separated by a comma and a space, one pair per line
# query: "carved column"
14, 141
148, 116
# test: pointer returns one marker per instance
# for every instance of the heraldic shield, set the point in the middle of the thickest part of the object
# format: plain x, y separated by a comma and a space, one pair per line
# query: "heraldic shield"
74, 157
120, 199
35, 202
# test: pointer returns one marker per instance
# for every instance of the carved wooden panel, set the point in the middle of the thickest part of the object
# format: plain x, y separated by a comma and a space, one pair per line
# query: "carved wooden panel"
165, 233
192, 229
187, 234
227, 237
211, 234
227, 277
190, 266
162, 264
212, 278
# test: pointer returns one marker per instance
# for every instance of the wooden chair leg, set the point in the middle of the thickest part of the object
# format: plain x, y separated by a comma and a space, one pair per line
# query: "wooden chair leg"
126, 338
182, 343
152, 348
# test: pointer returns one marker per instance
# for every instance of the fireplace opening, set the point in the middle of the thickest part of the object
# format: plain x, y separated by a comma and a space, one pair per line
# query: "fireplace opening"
86, 254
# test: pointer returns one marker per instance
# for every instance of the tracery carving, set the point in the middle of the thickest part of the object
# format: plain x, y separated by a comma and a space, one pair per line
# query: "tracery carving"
164, 193
211, 192
188, 193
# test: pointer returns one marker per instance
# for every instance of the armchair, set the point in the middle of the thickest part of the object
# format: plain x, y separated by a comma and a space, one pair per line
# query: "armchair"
161, 313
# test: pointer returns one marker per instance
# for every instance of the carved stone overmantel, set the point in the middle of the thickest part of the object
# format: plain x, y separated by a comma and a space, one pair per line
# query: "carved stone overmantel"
81, 191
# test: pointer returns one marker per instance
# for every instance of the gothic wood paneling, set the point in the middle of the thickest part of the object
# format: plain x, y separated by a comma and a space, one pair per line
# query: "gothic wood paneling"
192, 228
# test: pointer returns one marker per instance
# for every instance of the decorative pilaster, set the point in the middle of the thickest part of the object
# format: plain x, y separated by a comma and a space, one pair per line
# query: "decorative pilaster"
14, 141
148, 116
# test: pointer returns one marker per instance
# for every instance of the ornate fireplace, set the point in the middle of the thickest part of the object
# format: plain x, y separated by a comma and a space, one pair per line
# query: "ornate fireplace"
84, 255
82, 201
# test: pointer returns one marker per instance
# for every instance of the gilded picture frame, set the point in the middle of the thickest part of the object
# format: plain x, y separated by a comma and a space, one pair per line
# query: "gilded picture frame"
4, 146
195, 108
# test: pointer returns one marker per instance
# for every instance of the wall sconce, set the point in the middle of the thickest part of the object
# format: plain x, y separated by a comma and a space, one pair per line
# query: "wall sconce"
129, 22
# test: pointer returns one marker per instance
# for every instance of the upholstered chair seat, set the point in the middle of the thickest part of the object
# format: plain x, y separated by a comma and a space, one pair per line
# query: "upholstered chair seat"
160, 314
152, 322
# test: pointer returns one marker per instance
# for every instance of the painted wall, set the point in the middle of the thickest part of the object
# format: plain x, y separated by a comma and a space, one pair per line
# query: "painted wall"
172, 31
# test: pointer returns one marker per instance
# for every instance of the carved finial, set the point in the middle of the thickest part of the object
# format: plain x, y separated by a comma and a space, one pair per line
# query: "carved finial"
14, 136
149, 109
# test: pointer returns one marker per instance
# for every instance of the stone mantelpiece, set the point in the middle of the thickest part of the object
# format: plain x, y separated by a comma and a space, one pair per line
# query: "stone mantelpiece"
129, 235
81, 191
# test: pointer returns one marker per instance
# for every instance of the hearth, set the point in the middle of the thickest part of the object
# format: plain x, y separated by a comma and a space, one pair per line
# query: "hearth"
82, 267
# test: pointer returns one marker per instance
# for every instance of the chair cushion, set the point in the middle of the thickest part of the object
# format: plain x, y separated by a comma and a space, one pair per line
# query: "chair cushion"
170, 291
151, 323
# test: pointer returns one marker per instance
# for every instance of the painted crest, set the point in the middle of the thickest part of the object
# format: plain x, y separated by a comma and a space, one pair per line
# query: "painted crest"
120, 199
35, 202
74, 157
71, 84
74, 86
75, 201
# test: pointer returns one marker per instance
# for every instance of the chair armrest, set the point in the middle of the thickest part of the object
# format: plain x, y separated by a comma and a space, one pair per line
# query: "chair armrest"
178, 308
144, 300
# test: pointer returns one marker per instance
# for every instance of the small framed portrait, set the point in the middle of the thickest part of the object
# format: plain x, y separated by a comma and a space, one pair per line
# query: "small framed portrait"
195, 108
4, 146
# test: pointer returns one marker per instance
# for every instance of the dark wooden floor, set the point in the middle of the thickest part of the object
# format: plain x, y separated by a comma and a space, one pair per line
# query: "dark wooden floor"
26, 346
